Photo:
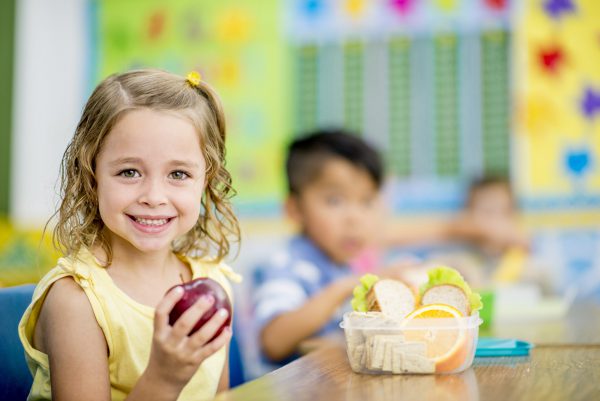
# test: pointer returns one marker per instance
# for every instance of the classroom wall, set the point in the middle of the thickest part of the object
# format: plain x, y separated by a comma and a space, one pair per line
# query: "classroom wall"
49, 90
63, 48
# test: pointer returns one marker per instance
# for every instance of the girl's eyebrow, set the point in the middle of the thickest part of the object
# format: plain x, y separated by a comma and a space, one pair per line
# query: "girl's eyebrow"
136, 160
126, 160
183, 163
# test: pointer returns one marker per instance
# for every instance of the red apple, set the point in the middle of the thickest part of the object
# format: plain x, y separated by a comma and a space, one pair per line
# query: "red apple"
192, 291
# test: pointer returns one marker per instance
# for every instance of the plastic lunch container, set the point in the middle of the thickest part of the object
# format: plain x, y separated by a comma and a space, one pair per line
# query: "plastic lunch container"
378, 344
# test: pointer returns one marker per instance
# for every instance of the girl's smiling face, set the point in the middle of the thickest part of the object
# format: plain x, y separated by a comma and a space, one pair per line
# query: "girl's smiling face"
150, 175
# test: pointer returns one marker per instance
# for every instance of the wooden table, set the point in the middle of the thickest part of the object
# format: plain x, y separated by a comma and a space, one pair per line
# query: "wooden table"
549, 373
564, 365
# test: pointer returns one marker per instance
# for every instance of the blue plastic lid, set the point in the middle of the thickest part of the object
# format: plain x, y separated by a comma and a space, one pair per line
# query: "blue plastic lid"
502, 347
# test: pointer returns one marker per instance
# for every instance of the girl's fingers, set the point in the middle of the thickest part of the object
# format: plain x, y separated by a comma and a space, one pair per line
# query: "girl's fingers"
207, 350
190, 317
164, 307
209, 329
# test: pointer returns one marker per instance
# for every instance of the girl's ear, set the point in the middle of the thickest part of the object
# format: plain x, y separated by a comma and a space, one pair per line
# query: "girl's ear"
292, 208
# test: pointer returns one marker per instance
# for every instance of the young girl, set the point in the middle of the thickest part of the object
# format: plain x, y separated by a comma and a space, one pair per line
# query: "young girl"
144, 207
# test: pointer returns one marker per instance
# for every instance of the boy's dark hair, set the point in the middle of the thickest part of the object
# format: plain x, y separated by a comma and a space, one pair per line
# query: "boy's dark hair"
307, 155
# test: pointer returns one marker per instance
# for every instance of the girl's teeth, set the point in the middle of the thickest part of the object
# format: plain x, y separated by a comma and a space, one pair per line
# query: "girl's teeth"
148, 222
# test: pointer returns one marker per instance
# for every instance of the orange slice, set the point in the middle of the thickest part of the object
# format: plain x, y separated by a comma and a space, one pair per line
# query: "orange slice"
434, 311
447, 344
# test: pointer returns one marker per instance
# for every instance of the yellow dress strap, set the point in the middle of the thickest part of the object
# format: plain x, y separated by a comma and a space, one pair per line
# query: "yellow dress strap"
229, 273
80, 272
203, 268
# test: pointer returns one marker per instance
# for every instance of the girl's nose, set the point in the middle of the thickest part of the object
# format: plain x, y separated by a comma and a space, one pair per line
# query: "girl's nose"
153, 193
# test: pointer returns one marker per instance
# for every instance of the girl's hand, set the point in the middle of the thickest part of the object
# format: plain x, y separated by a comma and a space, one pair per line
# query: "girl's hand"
175, 356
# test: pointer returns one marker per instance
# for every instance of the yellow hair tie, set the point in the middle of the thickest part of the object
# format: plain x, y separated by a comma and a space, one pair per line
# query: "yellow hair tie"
194, 78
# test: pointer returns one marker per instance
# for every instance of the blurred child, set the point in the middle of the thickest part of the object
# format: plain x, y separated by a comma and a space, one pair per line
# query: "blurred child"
496, 244
334, 180
492, 214
144, 206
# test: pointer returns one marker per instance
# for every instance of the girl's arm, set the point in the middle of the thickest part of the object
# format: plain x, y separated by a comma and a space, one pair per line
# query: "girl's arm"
224, 380
78, 353
68, 333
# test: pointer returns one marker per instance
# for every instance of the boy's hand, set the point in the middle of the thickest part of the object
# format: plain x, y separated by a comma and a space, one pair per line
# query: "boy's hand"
175, 356
493, 235
505, 234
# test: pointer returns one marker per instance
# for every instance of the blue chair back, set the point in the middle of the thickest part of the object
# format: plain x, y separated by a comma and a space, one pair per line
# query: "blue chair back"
236, 366
15, 379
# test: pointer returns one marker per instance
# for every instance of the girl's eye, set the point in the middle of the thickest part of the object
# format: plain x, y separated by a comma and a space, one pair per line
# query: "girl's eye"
129, 173
179, 175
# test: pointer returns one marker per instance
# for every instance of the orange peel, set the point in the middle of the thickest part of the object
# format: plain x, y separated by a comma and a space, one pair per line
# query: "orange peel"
447, 346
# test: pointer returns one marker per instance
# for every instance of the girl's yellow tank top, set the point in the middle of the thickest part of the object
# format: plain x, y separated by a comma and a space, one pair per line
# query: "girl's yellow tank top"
127, 326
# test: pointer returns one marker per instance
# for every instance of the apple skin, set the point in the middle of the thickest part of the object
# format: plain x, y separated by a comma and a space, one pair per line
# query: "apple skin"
192, 291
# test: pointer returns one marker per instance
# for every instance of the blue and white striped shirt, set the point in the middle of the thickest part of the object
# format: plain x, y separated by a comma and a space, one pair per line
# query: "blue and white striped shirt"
292, 276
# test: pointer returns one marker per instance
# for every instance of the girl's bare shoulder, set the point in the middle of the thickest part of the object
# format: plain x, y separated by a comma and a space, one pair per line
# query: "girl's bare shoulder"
66, 314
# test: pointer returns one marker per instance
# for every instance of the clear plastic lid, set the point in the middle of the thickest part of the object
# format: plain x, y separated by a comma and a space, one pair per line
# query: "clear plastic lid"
379, 321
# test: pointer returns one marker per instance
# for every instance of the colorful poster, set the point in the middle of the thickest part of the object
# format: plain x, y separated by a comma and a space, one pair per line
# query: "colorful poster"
557, 54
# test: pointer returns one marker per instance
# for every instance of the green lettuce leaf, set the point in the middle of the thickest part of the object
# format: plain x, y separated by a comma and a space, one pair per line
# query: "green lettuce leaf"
359, 302
446, 275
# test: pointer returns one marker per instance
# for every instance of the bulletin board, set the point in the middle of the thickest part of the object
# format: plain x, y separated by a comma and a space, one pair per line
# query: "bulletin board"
557, 110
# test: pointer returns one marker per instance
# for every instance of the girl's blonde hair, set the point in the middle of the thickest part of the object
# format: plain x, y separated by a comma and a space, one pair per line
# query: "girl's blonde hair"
79, 223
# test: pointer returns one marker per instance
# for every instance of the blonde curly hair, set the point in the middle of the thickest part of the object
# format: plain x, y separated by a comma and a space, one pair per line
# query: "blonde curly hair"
79, 223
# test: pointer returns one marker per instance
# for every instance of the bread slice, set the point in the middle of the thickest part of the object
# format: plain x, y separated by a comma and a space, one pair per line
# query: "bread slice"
391, 297
448, 294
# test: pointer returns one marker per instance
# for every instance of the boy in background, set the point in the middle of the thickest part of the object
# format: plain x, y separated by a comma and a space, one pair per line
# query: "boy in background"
334, 181
495, 246
492, 212
488, 222
502, 244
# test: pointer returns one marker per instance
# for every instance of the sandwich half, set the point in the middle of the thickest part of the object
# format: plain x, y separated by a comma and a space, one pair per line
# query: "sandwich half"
447, 294
447, 286
391, 297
